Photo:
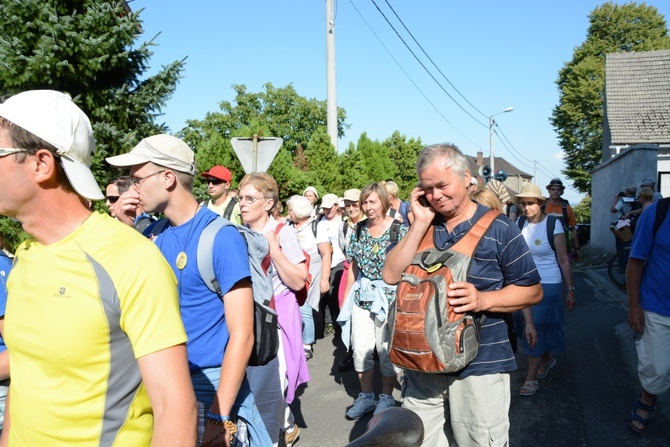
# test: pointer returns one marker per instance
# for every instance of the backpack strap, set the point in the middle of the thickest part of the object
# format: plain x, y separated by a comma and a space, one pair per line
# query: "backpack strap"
551, 226
205, 255
469, 242
315, 223
564, 206
359, 228
522, 220
156, 228
229, 208
345, 227
395, 231
661, 214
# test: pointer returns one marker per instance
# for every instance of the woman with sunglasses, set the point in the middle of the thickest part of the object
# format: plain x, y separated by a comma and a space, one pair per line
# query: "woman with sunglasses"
554, 267
259, 196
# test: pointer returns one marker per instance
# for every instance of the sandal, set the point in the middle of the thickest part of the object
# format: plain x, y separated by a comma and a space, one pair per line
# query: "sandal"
635, 417
529, 388
544, 368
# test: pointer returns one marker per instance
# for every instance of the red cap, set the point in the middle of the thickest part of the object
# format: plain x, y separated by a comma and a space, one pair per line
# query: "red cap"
219, 172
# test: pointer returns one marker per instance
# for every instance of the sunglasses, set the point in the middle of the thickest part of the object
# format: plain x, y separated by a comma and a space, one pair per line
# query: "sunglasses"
112, 199
214, 181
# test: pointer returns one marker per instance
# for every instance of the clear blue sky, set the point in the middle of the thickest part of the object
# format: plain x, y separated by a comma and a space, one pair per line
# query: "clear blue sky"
496, 53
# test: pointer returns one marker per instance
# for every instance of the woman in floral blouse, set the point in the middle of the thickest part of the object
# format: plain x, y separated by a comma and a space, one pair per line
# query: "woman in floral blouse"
368, 299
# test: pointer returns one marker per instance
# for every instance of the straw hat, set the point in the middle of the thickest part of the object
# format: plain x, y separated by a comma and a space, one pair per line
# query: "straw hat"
530, 191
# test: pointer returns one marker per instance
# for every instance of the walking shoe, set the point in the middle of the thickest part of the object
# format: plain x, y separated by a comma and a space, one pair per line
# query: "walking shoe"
363, 404
290, 437
385, 401
308, 354
529, 388
544, 369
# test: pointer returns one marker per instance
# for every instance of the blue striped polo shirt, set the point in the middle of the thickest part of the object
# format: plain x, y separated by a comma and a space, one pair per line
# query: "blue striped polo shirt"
501, 258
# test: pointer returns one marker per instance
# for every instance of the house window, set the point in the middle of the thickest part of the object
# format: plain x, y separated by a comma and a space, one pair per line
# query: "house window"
664, 183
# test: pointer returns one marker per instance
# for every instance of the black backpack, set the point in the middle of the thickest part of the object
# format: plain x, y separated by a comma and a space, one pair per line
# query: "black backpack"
395, 230
229, 208
564, 208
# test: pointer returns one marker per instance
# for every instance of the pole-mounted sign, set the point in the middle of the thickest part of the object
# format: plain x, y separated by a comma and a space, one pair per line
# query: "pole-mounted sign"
256, 153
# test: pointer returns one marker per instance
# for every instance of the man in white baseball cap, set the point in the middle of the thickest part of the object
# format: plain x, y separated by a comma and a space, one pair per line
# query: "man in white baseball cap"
93, 327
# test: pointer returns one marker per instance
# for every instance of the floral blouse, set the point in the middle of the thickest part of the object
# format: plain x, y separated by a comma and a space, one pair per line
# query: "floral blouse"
370, 253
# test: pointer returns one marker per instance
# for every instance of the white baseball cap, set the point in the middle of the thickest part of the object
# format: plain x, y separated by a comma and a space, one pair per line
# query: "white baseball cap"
56, 119
329, 200
163, 150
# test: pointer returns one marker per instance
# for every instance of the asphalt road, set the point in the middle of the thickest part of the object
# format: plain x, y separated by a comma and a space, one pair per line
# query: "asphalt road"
584, 401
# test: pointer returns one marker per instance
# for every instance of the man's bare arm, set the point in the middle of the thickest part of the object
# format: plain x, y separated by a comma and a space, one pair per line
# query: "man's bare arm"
168, 383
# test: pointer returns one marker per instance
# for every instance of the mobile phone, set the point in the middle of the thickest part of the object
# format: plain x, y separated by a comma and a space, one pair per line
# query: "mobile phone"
423, 201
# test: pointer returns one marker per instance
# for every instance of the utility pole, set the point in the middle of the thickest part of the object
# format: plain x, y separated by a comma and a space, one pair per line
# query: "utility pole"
492, 158
330, 73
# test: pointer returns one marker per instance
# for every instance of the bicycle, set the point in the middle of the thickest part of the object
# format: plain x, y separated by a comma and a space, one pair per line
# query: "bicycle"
616, 267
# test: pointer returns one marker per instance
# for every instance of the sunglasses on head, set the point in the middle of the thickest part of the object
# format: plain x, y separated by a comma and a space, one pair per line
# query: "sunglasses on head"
112, 199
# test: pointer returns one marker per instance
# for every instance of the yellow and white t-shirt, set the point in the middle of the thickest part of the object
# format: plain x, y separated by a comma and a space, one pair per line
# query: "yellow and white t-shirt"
79, 314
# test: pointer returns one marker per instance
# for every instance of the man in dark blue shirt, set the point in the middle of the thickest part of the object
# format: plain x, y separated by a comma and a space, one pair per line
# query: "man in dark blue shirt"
502, 278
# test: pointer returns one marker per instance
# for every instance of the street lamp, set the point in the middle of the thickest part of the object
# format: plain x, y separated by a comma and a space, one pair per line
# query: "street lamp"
492, 158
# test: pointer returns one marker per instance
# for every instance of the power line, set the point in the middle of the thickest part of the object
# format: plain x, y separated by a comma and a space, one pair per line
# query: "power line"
424, 67
431, 60
411, 80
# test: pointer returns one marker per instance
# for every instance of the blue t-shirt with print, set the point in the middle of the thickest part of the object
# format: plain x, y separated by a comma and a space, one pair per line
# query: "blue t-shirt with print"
202, 311
502, 258
5, 267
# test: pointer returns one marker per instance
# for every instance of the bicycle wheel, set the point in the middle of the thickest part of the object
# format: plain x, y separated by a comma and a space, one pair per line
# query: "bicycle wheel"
616, 267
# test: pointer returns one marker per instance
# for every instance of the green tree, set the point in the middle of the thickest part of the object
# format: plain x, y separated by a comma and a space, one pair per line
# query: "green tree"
583, 210
578, 117
323, 161
88, 49
403, 154
278, 112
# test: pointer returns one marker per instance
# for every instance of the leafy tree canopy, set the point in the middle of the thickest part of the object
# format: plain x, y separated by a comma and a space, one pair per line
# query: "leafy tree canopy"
306, 158
90, 50
578, 118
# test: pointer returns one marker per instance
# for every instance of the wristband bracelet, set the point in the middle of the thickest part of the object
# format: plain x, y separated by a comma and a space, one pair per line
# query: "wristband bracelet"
571, 288
216, 419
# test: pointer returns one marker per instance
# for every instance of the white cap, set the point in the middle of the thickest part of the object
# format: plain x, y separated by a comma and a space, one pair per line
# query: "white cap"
329, 200
312, 189
56, 119
162, 150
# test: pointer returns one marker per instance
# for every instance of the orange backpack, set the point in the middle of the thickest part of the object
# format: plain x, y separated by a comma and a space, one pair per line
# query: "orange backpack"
426, 334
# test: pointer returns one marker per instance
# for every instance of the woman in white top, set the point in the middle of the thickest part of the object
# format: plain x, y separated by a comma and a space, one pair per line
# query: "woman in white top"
553, 267
300, 215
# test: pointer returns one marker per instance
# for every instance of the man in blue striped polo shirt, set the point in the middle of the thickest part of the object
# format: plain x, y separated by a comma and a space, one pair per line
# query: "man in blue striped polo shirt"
470, 407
